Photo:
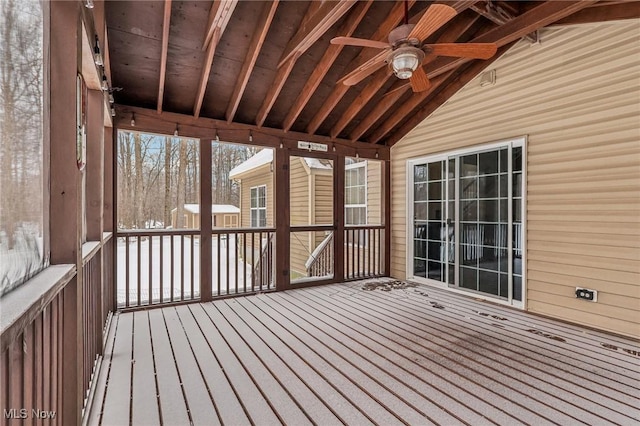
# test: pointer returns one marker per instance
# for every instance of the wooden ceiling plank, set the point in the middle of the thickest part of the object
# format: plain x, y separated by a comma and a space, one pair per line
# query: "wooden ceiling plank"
393, 19
321, 20
409, 105
382, 106
165, 49
468, 74
219, 15
379, 79
257, 41
221, 11
274, 90
325, 63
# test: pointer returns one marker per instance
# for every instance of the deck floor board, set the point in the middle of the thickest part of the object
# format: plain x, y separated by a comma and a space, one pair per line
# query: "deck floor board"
340, 354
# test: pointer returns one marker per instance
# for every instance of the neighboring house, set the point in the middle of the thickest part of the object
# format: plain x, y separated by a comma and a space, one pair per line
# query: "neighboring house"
311, 182
567, 110
222, 216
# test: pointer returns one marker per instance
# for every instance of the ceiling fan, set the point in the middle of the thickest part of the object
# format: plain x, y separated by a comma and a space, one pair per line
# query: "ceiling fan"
406, 50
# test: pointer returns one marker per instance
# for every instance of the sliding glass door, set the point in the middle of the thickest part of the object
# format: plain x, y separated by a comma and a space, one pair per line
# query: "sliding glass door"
467, 220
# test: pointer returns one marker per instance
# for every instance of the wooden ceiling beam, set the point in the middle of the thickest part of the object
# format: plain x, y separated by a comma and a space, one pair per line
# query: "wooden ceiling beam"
274, 90
382, 106
264, 23
409, 105
607, 11
325, 63
393, 19
316, 22
219, 17
320, 20
464, 77
148, 120
166, 21
375, 83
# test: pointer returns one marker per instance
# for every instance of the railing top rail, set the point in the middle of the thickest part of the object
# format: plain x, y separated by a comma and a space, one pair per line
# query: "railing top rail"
167, 232
22, 305
364, 227
156, 232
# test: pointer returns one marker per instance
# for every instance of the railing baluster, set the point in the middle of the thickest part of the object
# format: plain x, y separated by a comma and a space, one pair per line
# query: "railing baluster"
219, 257
150, 269
237, 262
227, 274
182, 267
244, 262
139, 270
172, 266
126, 260
161, 277
253, 261
193, 254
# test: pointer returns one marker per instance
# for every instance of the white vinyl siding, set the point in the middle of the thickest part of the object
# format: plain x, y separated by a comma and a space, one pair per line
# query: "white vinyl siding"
576, 97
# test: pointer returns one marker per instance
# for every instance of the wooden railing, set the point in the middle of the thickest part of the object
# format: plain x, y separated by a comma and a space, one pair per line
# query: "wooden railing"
263, 268
363, 251
320, 262
157, 267
52, 337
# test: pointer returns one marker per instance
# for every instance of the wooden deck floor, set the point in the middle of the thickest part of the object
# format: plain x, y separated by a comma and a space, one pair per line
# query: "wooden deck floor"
340, 354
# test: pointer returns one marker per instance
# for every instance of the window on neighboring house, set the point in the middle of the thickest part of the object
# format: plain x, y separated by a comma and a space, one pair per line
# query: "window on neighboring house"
259, 206
355, 201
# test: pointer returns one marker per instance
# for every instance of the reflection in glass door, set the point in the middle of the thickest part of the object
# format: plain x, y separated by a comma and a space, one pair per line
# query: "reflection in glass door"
477, 197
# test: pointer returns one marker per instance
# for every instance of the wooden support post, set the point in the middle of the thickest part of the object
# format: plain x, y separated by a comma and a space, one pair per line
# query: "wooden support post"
205, 220
65, 195
108, 199
338, 219
283, 224
95, 165
386, 190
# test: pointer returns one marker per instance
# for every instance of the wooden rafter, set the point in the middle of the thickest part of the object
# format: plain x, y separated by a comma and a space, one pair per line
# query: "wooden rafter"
382, 106
257, 41
451, 88
327, 60
316, 22
315, 26
219, 16
401, 112
375, 83
607, 11
165, 48
339, 90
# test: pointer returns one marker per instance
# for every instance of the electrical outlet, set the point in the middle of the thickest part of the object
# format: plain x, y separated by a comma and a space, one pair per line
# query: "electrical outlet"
586, 294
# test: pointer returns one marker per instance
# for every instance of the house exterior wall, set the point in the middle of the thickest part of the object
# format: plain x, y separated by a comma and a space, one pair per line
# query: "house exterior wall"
260, 176
576, 96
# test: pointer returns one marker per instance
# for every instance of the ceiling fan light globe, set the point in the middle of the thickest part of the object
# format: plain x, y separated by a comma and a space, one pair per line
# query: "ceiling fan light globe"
404, 64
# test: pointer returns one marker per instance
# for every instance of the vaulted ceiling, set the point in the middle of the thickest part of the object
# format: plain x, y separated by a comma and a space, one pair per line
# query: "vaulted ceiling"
270, 64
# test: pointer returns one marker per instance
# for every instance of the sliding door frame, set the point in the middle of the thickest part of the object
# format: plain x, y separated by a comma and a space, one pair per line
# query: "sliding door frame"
510, 143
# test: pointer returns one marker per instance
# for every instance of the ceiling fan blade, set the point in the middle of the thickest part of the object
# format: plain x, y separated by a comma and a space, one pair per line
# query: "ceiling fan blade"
419, 80
464, 50
436, 16
361, 42
364, 70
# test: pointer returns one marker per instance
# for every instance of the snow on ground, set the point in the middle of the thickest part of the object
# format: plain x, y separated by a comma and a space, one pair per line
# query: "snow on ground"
180, 276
